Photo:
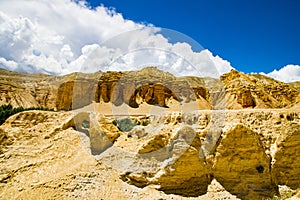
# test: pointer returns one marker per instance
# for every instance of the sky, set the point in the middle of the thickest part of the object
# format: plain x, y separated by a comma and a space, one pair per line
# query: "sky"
63, 36
254, 35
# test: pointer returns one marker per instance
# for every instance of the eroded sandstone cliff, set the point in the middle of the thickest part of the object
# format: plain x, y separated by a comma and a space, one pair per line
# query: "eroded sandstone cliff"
235, 90
258, 91
148, 85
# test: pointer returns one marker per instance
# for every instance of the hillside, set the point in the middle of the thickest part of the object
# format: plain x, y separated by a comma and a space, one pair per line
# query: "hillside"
234, 90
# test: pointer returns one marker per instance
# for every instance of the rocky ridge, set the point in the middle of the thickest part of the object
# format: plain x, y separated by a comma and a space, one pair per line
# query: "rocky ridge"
258, 91
234, 90
148, 85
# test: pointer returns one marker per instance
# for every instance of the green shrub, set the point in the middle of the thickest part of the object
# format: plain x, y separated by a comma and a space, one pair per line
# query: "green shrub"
85, 124
126, 124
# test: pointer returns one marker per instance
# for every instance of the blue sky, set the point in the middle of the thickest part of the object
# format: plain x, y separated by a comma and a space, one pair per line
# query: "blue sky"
255, 36
65, 36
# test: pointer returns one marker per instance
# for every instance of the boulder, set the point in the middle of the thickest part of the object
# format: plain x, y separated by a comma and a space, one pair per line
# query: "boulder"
286, 169
242, 166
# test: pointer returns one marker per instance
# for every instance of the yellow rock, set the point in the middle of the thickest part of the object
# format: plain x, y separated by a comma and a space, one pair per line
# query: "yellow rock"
242, 166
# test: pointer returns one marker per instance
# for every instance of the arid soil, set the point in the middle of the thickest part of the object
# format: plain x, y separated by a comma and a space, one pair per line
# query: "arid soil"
150, 135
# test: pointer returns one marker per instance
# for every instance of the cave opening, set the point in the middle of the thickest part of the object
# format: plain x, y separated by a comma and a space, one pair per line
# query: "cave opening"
260, 169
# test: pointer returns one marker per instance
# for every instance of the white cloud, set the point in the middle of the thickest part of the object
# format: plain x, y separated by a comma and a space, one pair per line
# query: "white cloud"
66, 52
288, 73
8, 64
62, 36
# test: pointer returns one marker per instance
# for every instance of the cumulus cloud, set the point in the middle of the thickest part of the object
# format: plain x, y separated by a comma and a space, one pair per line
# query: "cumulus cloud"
8, 64
288, 73
63, 36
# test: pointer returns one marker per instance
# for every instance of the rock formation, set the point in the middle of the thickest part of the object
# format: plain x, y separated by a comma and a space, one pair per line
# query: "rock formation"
257, 91
150, 85
27, 90
189, 175
242, 166
167, 149
131, 88
286, 170
63, 154
240, 159
75, 94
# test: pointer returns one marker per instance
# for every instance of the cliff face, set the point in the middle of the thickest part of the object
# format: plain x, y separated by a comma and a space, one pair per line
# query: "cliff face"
27, 90
242, 165
235, 90
258, 91
75, 94
149, 85
286, 167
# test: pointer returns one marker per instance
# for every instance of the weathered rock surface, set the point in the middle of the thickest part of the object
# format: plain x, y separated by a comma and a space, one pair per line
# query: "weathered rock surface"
178, 167
27, 90
286, 168
189, 175
42, 154
178, 160
102, 136
132, 88
75, 94
158, 153
48, 159
40, 90
257, 91
235, 90
242, 166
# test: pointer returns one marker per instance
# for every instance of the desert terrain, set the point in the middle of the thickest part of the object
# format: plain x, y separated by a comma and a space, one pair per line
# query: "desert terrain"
149, 135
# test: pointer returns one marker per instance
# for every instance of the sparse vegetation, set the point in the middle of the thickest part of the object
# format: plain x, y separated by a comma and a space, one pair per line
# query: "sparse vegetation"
126, 124
7, 110
85, 124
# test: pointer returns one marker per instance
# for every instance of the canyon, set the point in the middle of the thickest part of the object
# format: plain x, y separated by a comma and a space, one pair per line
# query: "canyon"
150, 135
